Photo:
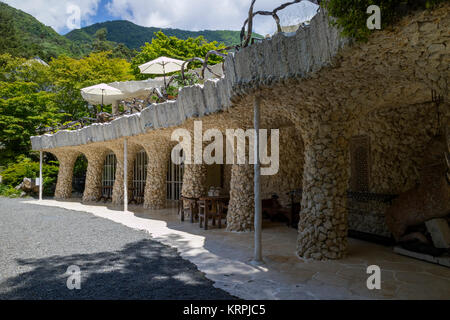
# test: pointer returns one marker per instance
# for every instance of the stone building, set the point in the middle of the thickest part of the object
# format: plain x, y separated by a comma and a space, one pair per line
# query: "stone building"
352, 117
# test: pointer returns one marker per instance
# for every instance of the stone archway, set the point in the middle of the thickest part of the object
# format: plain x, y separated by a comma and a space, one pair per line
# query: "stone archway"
109, 175
139, 176
157, 149
79, 176
66, 158
175, 173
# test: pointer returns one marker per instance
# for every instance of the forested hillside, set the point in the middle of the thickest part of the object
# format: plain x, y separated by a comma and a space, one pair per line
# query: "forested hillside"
23, 35
134, 36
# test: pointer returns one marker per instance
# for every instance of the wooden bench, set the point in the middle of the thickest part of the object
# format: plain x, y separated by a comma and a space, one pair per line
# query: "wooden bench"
272, 208
108, 193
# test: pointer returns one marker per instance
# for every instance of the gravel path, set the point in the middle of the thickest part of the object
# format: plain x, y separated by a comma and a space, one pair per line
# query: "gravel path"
38, 244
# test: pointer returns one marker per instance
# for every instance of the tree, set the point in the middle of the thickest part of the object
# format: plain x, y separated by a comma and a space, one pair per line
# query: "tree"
8, 40
100, 43
101, 34
33, 95
23, 105
173, 47
122, 51
69, 76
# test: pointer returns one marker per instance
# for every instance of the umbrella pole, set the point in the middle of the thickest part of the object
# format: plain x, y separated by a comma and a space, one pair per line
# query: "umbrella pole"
103, 91
165, 85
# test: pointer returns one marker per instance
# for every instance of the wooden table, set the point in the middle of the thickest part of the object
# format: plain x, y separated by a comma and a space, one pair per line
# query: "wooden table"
217, 212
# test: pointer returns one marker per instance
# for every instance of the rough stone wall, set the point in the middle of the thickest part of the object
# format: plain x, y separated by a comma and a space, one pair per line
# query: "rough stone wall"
195, 175
290, 174
194, 180
322, 230
158, 152
241, 208
118, 149
398, 138
66, 158
368, 216
96, 158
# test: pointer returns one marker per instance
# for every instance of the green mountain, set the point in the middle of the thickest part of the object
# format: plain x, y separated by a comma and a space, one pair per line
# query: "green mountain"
23, 35
134, 36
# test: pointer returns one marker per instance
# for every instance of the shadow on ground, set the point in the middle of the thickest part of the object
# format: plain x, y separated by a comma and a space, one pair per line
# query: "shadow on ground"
141, 270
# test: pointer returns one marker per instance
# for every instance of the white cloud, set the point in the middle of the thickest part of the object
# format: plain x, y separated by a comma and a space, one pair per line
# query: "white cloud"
54, 12
207, 14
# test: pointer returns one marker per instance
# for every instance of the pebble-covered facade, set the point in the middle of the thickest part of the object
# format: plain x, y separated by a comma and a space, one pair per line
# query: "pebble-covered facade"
329, 97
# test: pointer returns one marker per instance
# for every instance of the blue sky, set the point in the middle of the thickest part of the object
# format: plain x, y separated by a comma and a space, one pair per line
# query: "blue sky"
184, 14
102, 13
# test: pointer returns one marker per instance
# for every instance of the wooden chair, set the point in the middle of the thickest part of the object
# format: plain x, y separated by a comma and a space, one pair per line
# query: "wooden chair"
203, 212
221, 212
133, 198
189, 206
211, 208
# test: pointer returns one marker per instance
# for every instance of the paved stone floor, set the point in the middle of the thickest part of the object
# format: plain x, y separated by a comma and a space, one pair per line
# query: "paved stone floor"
225, 259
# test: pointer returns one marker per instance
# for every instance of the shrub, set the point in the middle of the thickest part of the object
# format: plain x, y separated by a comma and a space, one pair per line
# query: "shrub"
25, 168
8, 191
351, 15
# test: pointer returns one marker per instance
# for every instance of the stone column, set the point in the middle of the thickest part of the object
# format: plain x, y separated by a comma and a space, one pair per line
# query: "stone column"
117, 147
66, 159
194, 180
322, 230
241, 208
158, 152
96, 159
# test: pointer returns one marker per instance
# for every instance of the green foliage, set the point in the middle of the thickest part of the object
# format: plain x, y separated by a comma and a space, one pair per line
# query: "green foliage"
80, 166
117, 50
26, 168
9, 38
69, 75
8, 191
189, 79
122, 51
33, 95
352, 17
134, 36
173, 47
23, 105
99, 43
